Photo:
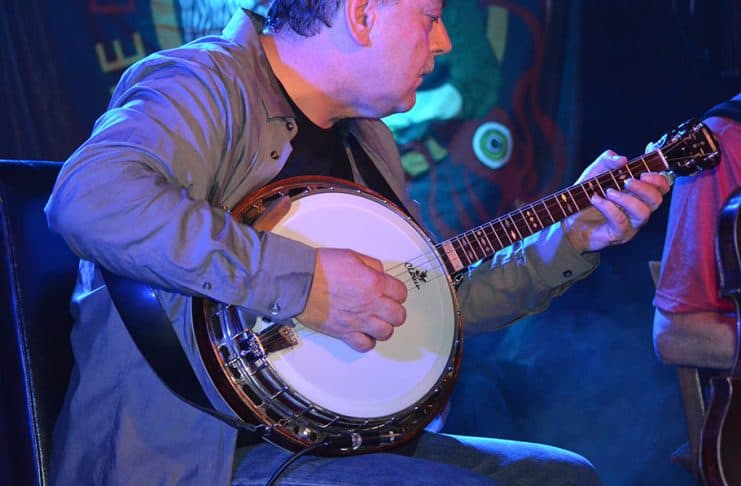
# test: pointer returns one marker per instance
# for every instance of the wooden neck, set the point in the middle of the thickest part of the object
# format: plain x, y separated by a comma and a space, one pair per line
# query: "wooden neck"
462, 251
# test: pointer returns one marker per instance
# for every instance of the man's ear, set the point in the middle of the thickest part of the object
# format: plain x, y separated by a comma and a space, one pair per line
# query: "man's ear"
361, 16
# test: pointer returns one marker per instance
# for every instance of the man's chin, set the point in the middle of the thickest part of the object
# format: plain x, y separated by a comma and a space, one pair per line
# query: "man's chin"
408, 104
401, 107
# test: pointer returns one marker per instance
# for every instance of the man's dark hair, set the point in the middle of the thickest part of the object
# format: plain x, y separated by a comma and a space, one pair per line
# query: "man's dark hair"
305, 17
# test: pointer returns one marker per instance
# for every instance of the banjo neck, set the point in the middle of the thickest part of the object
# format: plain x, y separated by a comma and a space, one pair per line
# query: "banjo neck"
688, 149
482, 242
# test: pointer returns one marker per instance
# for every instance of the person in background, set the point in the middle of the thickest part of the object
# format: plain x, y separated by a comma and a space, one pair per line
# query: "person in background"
193, 130
693, 325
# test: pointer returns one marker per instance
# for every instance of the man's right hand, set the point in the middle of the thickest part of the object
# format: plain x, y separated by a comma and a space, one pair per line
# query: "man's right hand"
352, 299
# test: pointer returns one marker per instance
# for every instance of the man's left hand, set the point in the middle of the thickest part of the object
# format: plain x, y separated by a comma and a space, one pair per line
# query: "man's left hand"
618, 216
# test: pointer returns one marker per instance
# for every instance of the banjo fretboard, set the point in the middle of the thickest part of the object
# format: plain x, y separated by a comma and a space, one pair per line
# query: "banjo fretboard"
481, 242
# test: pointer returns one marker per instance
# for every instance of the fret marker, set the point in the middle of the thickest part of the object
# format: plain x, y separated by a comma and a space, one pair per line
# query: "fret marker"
565, 200
482, 241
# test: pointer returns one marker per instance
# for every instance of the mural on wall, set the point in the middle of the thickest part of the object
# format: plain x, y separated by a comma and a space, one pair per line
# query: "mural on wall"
486, 135
484, 138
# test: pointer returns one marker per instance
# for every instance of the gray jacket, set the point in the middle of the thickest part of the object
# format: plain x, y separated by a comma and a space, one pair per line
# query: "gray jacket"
188, 133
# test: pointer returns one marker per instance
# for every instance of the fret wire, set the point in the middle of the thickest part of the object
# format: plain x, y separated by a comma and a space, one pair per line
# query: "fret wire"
470, 252
569, 205
506, 233
483, 241
524, 221
601, 189
603, 178
568, 190
665, 163
535, 211
483, 252
545, 205
627, 166
619, 180
592, 184
643, 159
494, 230
617, 184
661, 164
467, 246
461, 252
583, 199
515, 225
580, 200
474, 245
560, 206
646, 161
636, 168
542, 215
483, 230
623, 175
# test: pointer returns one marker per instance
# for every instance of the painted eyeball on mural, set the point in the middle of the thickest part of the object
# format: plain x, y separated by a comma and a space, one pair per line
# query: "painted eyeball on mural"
492, 144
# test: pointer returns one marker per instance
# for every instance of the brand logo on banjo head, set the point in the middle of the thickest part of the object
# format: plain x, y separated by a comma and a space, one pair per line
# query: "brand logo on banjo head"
419, 277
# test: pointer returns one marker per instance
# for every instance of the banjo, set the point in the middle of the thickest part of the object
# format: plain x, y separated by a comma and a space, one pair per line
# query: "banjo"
310, 389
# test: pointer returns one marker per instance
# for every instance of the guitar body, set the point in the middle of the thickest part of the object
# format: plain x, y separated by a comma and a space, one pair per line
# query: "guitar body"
720, 440
311, 387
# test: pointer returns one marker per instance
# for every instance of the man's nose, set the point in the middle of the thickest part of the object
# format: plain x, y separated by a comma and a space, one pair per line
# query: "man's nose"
439, 40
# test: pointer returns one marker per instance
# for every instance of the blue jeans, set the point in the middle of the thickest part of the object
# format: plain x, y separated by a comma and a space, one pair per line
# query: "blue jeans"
433, 459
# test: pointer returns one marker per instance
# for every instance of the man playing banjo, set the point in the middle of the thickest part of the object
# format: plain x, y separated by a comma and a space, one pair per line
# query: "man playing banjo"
189, 133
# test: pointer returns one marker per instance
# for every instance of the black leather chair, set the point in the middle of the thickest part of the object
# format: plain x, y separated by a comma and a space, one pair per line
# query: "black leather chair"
37, 275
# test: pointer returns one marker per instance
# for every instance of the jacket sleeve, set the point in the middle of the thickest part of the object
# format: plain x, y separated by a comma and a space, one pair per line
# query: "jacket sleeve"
521, 280
134, 197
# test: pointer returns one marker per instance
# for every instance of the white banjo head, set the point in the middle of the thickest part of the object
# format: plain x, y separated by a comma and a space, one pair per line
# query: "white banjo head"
306, 389
399, 372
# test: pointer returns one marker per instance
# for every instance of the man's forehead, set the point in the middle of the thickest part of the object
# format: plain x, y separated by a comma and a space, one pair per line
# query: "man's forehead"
434, 3
427, 5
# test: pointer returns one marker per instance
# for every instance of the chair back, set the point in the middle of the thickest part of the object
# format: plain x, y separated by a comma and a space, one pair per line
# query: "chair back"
37, 275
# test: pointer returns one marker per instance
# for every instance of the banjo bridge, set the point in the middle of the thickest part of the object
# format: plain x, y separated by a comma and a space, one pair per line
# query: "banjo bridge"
277, 337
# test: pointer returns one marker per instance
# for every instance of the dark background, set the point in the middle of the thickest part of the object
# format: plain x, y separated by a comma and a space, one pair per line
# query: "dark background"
583, 374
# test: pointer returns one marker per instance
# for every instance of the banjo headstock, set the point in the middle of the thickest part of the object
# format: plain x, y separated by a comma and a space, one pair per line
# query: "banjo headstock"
689, 148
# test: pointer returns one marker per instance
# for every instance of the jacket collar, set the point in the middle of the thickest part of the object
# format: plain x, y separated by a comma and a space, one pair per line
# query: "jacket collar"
244, 30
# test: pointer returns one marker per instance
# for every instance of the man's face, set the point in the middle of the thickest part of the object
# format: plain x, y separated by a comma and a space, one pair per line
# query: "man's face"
407, 36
